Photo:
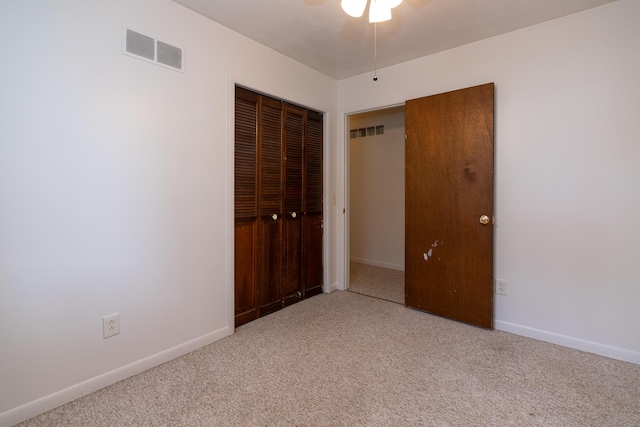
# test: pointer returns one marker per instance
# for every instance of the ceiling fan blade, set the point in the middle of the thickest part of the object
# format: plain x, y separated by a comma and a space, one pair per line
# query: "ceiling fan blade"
378, 12
354, 8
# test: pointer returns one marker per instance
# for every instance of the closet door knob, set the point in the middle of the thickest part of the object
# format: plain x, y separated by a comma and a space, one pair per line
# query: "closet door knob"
293, 214
274, 217
484, 219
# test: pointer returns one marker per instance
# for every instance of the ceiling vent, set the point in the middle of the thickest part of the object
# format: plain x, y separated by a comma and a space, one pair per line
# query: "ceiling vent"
150, 49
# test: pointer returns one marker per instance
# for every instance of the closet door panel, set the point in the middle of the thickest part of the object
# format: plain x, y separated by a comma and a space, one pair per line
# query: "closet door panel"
312, 200
269, 265
245, 206
313, 164
270, 206
312, 267
293, 156
270, 134
246, 135
292, 279
246, 308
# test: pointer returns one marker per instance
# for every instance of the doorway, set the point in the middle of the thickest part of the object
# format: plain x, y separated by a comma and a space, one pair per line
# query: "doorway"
449, 203
376, 203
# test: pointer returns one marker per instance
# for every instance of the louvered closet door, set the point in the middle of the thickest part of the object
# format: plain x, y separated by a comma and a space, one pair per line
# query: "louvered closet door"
246, 213
312, 220
293, 212
270, 206
278, 205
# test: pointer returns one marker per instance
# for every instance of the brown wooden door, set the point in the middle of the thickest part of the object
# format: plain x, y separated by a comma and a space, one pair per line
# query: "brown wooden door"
292, 220
246, 206
270, 245
278, 205
449, 186
312, 220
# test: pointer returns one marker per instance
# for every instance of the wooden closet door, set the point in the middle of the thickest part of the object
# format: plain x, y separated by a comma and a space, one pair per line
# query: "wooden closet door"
312, 220
270, 211
246, 207
292, 221
278, 205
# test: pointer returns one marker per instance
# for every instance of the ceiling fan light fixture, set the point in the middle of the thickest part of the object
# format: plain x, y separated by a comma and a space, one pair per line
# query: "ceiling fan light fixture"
354, 8
378, 11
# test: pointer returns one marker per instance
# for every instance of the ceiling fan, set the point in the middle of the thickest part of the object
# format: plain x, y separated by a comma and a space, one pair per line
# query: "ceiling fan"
379, 10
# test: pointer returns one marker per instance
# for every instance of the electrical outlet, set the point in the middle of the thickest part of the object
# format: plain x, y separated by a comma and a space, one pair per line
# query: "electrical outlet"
501, 287
111, 325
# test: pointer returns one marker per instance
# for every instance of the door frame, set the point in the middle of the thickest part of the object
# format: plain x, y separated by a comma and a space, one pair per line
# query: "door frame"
343, 267
326, 203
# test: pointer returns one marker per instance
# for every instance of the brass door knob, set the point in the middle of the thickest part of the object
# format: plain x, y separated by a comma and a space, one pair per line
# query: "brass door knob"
484, 220
274, 217
293, 214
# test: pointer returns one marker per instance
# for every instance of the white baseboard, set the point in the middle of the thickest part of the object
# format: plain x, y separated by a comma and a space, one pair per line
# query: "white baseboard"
46, 403
330, 287
375, 263
571, 342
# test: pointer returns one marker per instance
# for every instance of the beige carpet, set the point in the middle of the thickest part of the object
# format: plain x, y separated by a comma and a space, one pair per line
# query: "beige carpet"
345, 359
377, 282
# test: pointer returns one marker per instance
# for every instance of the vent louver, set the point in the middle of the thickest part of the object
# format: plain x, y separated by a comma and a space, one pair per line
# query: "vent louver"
152, 50
169, 55
368, 131
141, 45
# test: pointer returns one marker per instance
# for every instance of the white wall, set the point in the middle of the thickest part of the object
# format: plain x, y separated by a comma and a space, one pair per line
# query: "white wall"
115, 193
567, 168
376, 196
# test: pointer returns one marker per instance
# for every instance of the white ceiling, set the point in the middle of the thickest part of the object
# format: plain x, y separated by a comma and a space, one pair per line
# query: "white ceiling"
319, 34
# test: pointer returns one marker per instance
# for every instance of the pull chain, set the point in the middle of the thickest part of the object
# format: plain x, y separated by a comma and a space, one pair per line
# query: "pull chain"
375, 51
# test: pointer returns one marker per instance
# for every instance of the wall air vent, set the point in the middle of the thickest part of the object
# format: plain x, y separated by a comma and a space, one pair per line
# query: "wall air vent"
150, 49
169, 55
368, 131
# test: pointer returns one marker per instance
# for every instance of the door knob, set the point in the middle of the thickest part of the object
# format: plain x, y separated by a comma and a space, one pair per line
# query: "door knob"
274, 217
293, 214
484, 220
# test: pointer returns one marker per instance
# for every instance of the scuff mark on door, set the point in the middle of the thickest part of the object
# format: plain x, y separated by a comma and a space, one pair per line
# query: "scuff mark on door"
429, 253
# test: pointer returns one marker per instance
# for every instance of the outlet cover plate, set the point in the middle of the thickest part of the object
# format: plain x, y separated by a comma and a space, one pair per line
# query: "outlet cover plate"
111, 325
501, 287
